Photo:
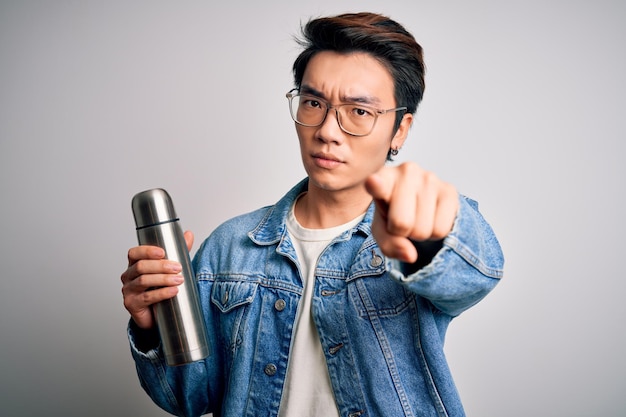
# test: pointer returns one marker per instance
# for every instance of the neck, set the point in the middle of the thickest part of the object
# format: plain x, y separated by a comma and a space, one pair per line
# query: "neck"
321, 209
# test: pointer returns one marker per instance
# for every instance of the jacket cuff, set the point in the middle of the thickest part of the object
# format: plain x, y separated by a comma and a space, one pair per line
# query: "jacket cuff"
143, 343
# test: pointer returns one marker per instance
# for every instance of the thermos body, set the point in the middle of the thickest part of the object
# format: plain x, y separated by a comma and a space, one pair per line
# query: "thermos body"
179, 319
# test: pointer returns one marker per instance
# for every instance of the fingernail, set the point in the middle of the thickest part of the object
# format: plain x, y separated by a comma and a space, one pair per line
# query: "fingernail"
178, 279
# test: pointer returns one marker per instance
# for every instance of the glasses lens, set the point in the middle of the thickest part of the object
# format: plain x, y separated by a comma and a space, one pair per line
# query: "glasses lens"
353, 119
356, 120
307, 110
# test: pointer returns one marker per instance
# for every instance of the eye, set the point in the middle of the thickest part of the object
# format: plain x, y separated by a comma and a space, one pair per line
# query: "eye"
363, 112
311, 102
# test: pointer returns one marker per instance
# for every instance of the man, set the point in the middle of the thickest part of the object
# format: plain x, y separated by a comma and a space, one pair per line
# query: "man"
335, 301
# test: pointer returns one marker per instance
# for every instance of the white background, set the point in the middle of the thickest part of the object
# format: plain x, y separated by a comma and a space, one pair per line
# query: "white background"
523, 111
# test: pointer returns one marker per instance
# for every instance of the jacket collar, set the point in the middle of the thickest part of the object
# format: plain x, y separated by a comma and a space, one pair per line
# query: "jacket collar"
273, 225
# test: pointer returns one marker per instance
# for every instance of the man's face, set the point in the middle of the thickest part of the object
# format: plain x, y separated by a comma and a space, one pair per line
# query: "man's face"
333, 159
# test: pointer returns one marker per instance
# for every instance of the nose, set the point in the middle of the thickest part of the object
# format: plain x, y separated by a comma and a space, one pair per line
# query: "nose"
329, 130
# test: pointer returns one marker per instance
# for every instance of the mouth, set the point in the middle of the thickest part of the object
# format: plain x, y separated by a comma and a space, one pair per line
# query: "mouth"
326, 160
327, 156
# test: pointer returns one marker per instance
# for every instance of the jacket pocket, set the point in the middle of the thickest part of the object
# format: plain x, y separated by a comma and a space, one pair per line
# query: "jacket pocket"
232, 299
227, 295
380, 296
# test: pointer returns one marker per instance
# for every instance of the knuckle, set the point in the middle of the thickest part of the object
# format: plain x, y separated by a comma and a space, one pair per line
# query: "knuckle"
410, 167
430, 179
147, 298
128, 303
142, 267
449, 190
422, 230
142, 281
399, 227
439, 232
443, 226
421, 235
131, 256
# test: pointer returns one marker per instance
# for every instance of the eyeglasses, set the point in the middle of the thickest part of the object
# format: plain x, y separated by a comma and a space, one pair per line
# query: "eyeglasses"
353, 118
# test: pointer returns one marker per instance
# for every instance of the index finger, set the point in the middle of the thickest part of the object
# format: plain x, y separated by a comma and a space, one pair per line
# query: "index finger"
138, 253
380, 184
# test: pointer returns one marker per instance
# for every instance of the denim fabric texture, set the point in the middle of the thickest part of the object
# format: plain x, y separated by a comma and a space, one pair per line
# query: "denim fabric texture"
382, 331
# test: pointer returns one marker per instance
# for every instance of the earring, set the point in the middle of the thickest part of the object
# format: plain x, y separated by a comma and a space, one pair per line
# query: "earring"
393, 151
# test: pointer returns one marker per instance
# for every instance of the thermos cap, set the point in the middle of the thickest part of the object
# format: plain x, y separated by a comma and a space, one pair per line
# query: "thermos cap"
152, 207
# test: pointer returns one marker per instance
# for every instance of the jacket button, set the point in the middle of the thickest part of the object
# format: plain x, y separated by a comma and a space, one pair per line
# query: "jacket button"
270, 369
280, 304
376, 261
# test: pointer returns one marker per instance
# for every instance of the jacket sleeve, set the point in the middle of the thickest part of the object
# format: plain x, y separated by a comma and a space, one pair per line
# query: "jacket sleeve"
179, 390
466, 268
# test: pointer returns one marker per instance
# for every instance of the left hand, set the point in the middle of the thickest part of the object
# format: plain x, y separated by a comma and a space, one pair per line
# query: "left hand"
412, 204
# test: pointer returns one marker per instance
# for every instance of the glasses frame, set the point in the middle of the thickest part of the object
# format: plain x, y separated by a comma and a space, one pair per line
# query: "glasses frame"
296, 93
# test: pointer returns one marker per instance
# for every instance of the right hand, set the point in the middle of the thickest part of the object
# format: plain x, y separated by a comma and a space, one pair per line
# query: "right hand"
149, 279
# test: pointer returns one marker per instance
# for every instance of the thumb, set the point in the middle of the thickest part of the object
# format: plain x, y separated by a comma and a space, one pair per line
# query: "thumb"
188, 239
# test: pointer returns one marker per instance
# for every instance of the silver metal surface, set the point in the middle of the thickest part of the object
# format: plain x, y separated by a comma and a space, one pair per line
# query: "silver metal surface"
179, 319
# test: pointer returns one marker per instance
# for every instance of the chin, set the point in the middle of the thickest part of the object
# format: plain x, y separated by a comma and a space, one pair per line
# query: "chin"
332, 183
323, 182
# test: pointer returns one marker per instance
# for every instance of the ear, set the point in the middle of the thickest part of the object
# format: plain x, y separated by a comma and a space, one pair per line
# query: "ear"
403, 130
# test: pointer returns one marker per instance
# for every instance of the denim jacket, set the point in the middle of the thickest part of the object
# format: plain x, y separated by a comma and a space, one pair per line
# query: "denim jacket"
382, 328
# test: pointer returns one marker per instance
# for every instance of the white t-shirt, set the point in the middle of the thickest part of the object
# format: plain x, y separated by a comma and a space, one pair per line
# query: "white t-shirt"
308, 392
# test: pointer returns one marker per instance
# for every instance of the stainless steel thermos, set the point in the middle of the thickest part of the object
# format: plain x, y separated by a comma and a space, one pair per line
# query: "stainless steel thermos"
179, 319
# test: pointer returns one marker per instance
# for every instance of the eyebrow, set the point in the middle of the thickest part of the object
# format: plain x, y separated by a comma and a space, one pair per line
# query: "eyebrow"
368, 100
